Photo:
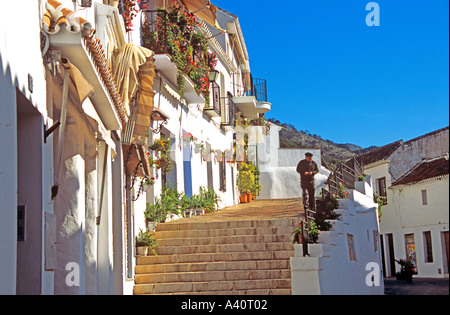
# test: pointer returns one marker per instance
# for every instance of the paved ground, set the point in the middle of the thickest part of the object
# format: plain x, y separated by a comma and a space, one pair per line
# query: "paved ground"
255, 210
419, 286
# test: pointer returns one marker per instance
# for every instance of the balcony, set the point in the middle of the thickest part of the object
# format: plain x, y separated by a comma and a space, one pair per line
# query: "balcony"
253, 97
186, 52
228, 113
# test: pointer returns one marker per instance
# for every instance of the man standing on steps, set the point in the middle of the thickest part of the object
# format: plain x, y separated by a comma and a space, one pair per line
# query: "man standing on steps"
307, 168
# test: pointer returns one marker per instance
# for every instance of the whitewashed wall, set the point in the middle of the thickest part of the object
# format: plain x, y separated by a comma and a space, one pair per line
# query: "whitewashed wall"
416, 219
330, 269
20, 56
278, 167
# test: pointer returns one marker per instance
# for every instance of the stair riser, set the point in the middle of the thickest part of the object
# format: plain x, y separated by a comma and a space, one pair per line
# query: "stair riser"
243, 247
213, 286
213, 276
190, 241
286, 222
211, 257
214, 266
223, 232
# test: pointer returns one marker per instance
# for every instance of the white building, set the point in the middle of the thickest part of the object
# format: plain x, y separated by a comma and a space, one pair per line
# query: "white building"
79, 96
347, 259
278, 167
412, 177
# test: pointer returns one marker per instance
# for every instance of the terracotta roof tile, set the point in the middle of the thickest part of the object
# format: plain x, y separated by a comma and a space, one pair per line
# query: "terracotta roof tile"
378, 154
425, 170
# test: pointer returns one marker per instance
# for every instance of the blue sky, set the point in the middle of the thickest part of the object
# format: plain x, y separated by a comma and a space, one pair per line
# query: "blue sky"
329, 73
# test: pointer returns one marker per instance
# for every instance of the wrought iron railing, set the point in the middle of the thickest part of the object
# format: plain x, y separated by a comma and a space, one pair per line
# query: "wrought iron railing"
345, 174
228, 112
259, 90
249, 86
154, 30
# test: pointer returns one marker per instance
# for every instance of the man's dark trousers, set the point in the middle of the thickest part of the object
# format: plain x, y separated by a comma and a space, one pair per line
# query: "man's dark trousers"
308, 195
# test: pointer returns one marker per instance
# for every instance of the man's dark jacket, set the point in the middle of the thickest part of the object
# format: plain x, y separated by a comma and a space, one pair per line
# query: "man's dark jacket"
305, 166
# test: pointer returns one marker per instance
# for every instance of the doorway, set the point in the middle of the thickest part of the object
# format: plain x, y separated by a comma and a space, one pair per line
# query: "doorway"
390, 255
29, 197
445, 250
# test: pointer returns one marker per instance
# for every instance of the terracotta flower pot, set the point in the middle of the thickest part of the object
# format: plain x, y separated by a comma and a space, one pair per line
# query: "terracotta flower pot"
243, 198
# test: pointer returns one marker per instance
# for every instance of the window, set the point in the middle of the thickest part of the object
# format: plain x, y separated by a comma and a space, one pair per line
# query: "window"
424, 198
223, 175
428, 250
382, 189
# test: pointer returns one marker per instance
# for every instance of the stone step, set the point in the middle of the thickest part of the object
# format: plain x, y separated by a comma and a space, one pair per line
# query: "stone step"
234, 292
213, 266
223, 232
200, 276
236, 251
201, 225
190, 241
214, 257
214, 287
219, 248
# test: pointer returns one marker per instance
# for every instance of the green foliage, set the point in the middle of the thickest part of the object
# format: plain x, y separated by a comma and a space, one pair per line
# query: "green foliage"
325, 211
175, 33
245, 182
248, 179
313, 232
155, 212
379, 200
173, 202
146, 239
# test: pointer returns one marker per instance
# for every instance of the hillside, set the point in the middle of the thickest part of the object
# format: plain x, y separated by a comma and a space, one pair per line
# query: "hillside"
332, 152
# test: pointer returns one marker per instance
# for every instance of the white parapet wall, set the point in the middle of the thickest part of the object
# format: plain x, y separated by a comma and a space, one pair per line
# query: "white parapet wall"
346, 259
278, 167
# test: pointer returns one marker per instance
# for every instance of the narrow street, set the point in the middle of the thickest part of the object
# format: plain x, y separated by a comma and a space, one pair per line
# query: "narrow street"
419, 286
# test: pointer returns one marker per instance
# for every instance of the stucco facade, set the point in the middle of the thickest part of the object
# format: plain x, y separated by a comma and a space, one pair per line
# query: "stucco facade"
409, 227
69, 218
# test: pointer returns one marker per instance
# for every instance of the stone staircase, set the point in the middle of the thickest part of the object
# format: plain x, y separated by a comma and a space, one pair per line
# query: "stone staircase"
220, 256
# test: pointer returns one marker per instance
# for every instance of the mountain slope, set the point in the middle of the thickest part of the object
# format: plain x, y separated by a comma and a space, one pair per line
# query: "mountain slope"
332, 152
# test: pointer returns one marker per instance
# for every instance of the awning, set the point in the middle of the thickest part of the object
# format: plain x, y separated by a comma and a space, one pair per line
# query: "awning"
204, 10
134, 70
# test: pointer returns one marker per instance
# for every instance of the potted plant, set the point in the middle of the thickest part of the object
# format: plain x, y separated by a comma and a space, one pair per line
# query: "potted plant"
210, 199
170, 201
154, 213
406, 271
313, 233
297, 233
186, 206
245, 182
145, 243
248, 181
